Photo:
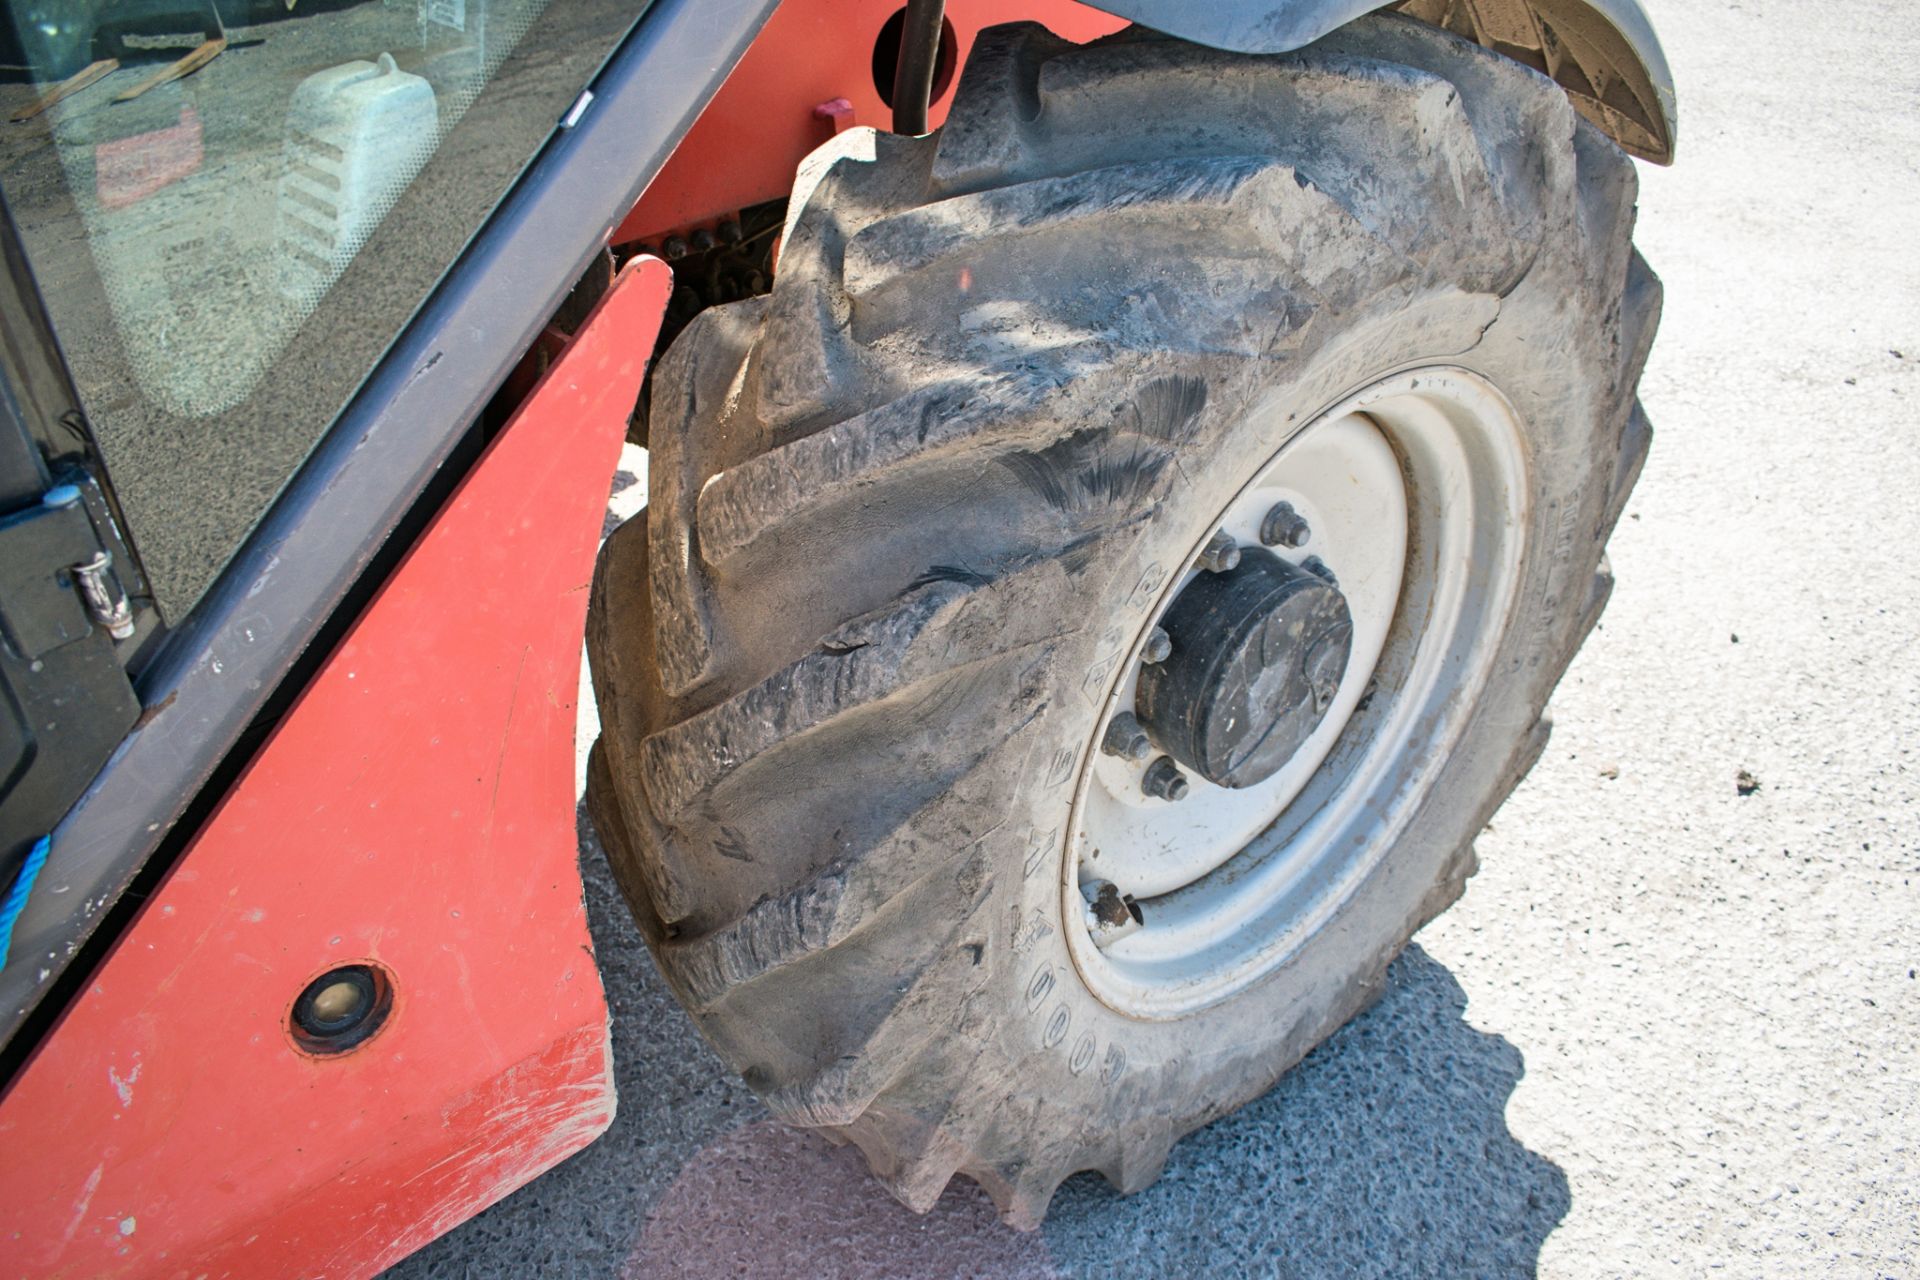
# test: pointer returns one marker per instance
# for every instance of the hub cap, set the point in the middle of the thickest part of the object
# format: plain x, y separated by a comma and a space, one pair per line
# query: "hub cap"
1258, 655
1309, 692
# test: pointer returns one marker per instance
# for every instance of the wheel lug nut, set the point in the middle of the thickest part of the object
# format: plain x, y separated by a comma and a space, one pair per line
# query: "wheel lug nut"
1158, 646
1221, 554
1126, 739
1320, 569
1284, 527
1164, 781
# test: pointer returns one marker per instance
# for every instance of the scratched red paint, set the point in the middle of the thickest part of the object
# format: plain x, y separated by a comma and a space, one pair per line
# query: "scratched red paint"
415, 809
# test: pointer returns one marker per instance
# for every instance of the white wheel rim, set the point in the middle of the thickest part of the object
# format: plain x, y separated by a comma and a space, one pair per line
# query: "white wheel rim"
1415, 493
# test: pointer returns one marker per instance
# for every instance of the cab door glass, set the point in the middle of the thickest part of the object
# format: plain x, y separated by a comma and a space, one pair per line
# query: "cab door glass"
232, 207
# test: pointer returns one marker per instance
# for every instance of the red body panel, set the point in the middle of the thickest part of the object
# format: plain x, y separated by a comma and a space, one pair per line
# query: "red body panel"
746, 144
415, 809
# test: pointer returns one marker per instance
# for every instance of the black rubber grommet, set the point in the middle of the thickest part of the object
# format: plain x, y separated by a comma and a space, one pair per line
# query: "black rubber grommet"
341, 1008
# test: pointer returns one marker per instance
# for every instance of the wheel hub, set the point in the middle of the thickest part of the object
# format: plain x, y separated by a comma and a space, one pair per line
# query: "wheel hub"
1258, 654
1295, 690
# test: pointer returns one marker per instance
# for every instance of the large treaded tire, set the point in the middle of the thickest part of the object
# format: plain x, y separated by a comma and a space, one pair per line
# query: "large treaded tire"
893, 505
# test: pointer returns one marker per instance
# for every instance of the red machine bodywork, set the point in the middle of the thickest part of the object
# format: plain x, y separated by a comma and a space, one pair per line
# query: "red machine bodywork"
415, 810
745, 146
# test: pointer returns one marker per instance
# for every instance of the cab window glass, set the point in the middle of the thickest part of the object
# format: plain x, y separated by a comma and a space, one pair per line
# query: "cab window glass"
233, 207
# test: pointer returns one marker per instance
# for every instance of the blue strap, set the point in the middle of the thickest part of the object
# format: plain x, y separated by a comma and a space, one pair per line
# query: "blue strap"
16, 900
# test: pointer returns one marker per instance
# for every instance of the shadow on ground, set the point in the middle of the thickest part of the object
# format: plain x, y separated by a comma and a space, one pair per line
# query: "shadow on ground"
1386, 1153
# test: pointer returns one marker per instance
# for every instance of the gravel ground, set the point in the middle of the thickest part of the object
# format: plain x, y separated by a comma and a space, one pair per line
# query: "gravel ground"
1671, 1028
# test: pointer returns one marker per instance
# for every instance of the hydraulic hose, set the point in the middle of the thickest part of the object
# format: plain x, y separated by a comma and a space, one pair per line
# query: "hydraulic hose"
919, 55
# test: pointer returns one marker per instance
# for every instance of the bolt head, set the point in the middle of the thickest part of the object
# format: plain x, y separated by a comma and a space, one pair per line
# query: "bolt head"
1284, 527
1158, 648
1127, 739
1164, 781
1221, 554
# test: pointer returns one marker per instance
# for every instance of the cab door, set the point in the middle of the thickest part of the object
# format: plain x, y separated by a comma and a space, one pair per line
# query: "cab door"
73, 601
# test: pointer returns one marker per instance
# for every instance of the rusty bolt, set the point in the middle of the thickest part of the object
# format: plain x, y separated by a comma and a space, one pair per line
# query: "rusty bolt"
1164, 781
1284, 527
1111, 914
1109, 906
1126, 738
1221, 554
1157, 648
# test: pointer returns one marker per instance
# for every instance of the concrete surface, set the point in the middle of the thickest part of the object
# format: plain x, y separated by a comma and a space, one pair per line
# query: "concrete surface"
1671, 1028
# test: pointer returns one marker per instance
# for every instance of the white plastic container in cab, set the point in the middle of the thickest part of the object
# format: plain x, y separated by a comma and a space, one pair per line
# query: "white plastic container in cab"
356, 136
